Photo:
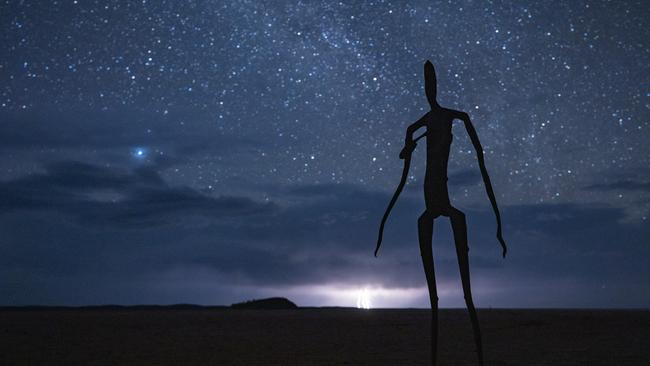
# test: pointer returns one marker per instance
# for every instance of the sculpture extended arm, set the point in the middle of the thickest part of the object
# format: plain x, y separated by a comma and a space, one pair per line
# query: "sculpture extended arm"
398, 190
486, 178
405, 154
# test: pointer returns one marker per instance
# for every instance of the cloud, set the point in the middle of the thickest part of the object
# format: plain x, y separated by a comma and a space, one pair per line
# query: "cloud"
323, 235
621, 185
116, 197
463, 178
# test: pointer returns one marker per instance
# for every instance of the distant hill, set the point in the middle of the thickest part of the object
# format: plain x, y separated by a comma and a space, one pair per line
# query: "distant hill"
270, 303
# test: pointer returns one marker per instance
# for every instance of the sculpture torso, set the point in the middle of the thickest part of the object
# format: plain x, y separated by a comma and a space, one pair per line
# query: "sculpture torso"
439, 137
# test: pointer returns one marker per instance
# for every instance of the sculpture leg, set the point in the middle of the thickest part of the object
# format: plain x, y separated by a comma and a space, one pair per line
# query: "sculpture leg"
425, 236
459, 226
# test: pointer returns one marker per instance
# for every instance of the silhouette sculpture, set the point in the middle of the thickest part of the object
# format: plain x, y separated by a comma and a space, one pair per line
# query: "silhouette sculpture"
438, 123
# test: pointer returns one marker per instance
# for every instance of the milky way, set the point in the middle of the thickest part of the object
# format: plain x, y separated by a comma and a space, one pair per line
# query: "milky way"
253, 99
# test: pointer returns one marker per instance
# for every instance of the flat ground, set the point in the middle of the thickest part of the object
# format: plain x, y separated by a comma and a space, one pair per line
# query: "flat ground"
319, 337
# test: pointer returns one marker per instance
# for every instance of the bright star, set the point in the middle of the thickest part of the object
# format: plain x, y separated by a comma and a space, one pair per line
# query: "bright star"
139, 152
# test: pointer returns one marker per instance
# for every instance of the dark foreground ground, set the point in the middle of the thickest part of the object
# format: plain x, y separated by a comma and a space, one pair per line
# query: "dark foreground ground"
319, 337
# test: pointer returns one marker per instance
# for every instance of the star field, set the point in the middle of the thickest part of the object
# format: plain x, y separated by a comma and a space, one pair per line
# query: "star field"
329, 88
247, 98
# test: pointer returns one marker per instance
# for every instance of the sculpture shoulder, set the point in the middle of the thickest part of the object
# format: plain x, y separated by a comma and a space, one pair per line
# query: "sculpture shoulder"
446, 115
454, 114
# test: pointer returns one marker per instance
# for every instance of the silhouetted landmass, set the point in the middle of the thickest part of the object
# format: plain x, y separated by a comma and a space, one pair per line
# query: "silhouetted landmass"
272, 303
269, 303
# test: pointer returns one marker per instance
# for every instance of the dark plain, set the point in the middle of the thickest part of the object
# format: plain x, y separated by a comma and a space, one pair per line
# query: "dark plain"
319, 336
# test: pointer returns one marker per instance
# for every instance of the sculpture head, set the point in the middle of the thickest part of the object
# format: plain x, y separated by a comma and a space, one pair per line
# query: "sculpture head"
430, 83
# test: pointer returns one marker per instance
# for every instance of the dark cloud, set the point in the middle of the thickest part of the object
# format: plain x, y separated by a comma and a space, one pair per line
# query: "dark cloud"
463, 178
327, 236
621, 185
116, 197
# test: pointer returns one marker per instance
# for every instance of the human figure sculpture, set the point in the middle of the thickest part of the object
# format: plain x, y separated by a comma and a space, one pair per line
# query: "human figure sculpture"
438, 124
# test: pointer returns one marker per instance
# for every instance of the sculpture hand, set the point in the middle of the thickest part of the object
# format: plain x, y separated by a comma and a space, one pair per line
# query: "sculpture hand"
408, 149
503, 242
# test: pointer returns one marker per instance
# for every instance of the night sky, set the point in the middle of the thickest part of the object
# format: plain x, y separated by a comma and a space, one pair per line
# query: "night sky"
212, 152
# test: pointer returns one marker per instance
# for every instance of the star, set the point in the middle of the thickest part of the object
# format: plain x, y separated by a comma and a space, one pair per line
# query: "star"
139, 153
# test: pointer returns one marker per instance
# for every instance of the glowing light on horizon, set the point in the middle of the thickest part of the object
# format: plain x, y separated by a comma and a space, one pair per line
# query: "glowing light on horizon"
363, 299
363, 296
